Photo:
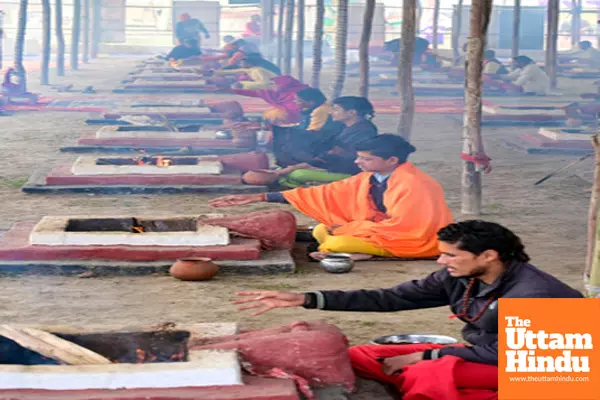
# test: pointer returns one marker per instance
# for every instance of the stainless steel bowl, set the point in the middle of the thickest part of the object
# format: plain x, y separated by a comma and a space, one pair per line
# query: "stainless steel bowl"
413, 339
337, 263
223, 135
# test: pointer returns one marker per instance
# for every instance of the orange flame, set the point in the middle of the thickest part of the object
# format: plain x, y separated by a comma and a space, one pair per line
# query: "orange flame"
162, 162
138, 229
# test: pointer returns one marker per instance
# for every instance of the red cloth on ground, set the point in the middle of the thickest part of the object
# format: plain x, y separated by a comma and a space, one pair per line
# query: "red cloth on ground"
276, 229
446, 378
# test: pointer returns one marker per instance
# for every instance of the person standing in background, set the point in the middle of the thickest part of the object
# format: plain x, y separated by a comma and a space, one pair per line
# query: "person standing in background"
190, 28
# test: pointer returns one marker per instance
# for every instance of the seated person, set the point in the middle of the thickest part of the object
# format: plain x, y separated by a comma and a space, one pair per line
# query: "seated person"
481, 262
430, 61
584, 53
300, 143
14, 82
491, 65
392, 209
336, 161
188, 49
258, 76
282, 96
232, 53
528, 77
395, 45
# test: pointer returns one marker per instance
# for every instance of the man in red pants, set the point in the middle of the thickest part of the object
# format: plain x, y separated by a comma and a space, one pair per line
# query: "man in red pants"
483, 261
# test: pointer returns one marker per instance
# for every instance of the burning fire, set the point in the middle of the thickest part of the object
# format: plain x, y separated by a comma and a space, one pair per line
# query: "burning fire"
138, 229
162, 162
143, 357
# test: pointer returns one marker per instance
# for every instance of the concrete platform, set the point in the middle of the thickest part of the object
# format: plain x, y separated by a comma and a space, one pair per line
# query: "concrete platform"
567, 134
119, 132
48, 182
172, 166
15, 245
177, 122
174, 140
170, 113
154, 150
523, 146
253, 389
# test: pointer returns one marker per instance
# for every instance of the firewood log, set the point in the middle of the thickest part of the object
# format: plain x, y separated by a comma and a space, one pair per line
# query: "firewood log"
52, 346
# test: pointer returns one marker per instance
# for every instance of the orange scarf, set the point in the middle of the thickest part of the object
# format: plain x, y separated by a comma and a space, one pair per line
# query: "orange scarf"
415, 205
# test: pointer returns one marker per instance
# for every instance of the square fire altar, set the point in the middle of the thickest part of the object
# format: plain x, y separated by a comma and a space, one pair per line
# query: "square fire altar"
126, 245
196, 139
67, 363
142, 174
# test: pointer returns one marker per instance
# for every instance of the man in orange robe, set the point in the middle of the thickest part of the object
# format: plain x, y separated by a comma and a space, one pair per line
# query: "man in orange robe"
392, 209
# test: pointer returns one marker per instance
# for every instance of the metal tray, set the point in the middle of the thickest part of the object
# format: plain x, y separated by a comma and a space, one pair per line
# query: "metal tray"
413, 339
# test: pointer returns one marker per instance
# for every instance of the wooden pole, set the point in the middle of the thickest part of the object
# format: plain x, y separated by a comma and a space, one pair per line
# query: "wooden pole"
516, 29
576, 22
436, 20
96, 27
405, 86
280, 34
472, 142
300, 42
289, 30
47, 34
456, 29
593, 250
75, 34
1, 39
60, 39
341, 39
318, 44
86, 31
20, 38
52, 346
551, 40
363, 52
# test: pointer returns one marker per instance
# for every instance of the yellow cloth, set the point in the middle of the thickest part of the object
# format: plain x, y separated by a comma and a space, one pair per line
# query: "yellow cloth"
260, 77
319, 117
345, 244
492, 67
275, 115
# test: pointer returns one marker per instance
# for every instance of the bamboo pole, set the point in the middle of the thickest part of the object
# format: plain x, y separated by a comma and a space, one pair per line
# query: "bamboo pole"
551, 40
280, 21
318, 44
288, 41
576, 22
405, 86
363, 51
472, 142
516, 29
436, 21
47, 35
60, 39
300, 42
592, 262
75, 34
341, 38
86, 32
96, 27
456, 29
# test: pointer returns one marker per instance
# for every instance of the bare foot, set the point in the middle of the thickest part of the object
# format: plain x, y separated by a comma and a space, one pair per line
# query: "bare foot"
319, 255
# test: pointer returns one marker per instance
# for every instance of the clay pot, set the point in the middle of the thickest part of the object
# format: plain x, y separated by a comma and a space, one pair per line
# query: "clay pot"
245, 161
260, 177
194, 269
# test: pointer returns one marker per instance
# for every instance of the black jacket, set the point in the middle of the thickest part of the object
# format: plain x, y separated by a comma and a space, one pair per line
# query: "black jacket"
441, 289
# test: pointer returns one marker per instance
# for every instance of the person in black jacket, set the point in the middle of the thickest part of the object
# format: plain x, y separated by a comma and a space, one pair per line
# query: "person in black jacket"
483, 261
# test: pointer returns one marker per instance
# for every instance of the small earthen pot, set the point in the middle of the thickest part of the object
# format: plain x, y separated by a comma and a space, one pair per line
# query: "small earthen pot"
260, 177
194, 269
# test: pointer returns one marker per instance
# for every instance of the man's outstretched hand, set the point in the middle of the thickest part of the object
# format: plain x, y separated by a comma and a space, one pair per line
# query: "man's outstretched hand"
268, 300
236, 200
392, 365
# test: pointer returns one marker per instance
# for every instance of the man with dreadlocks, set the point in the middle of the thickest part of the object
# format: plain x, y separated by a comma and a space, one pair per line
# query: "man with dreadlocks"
482, 261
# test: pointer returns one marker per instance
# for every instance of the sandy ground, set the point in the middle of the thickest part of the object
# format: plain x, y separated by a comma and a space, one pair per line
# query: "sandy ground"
551, 219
